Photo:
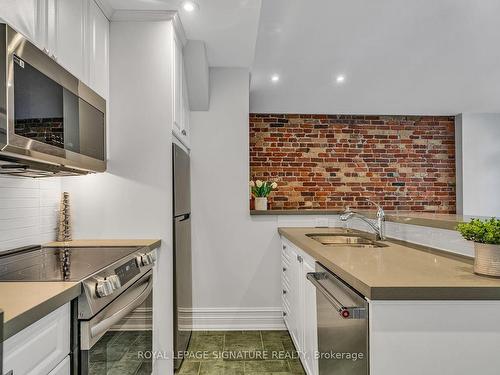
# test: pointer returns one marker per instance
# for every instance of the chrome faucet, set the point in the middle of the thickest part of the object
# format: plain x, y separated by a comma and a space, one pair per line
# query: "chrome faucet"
378, 226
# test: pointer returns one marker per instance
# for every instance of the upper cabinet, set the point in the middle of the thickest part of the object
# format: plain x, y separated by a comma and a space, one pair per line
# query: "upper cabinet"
98, 38
27, 17
181, 112
66, 34
75, 33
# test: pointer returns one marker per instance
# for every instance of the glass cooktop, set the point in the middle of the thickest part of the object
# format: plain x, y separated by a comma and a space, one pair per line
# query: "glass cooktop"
57, 263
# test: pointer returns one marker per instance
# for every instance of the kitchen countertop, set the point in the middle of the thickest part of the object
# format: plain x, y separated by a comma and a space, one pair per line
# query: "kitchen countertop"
398, 272
441, 221
23, 303
26, 302
151, 243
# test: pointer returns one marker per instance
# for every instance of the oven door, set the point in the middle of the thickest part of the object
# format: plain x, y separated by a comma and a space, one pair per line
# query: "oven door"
119, 338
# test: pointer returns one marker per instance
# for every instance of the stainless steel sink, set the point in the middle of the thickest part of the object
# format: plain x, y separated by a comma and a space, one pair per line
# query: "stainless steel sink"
342, 239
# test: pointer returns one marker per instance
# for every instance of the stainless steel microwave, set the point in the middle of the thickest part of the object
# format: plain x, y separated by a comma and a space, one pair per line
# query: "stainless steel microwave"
51, 123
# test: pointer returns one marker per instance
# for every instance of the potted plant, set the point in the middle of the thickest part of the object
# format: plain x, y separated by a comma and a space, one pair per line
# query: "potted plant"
260, 191
486, 237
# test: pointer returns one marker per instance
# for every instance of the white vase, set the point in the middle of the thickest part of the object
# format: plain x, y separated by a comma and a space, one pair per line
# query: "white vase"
261, 203
487, 259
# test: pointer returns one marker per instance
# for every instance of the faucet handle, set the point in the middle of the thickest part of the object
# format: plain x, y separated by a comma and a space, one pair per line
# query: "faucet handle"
380, 210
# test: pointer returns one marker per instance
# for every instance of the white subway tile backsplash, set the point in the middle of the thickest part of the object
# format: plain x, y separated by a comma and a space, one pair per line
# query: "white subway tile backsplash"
28, 211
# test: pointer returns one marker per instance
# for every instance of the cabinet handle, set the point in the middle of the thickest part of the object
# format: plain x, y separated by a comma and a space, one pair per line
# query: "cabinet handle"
284, 313
284, 291
284, 269
299, 258
184, 132
284, 247
54, 57
46, 51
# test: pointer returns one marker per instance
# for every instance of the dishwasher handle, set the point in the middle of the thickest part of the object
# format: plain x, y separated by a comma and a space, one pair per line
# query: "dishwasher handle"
346, 312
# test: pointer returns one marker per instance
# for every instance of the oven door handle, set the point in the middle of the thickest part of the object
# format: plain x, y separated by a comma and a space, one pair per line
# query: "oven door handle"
107, 323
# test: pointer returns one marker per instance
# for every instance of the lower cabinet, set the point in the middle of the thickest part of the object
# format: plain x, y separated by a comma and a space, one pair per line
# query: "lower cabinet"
299, 304
42, 348
62, 368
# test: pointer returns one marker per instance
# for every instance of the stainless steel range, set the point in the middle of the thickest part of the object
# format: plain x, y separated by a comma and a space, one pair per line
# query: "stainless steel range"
113, 315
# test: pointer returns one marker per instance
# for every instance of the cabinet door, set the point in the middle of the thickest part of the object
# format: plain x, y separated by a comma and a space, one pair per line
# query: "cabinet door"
185, 107
310, 327
40, 347
66, 30
296, 299
98, 34
27, 17
62, 368
178, 72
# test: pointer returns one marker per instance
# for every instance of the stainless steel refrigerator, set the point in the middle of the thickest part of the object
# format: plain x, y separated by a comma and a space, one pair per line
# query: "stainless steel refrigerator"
182, 252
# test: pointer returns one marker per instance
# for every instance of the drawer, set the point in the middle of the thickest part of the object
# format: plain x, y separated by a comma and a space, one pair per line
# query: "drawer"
40, 347
286, 251
62, 368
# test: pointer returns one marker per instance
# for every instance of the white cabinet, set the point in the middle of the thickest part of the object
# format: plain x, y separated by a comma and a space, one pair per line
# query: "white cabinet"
66, 34
310, 340
180, 121
63, 368
75, 33
26, 16
299, 304
41, 347
98, 50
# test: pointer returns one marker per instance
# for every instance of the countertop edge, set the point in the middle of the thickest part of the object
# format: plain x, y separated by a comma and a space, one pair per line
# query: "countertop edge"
400, 218
151, 243
25, 319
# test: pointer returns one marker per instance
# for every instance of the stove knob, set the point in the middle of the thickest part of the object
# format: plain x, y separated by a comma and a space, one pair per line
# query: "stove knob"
138, 260
115, 281
153, 256
104, 288
147, 259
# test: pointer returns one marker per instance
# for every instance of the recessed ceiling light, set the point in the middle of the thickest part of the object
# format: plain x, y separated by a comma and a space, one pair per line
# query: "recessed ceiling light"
275, 78
190, 6
340, 79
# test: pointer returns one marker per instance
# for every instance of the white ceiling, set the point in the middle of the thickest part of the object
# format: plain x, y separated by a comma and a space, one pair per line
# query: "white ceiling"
228, 27
398, 56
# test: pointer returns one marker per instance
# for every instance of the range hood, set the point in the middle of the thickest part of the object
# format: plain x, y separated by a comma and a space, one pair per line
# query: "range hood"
51, 123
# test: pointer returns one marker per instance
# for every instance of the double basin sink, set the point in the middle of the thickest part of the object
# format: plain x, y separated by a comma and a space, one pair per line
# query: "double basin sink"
345, 239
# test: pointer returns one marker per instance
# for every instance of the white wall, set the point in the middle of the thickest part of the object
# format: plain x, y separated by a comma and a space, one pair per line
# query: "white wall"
478, 164
28, 211
236, 258
133, 199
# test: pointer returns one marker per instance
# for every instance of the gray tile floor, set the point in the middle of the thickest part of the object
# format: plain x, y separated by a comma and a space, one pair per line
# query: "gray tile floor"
241, 353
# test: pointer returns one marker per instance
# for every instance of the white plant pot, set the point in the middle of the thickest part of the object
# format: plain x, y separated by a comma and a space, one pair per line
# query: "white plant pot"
487, 259
261, 204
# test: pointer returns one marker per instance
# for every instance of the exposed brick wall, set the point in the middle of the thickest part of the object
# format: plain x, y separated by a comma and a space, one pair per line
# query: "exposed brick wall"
332, 161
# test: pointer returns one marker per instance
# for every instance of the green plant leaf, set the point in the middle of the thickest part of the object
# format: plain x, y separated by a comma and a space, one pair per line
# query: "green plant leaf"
487, 231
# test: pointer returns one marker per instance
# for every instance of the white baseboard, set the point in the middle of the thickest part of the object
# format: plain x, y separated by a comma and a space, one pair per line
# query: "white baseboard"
233, 319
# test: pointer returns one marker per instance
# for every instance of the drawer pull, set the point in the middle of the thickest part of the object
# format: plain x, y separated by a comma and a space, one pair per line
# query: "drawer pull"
284, 269
284, 291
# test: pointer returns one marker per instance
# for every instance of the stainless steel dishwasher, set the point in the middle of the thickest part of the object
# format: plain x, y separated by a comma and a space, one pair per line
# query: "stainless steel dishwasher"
342, 326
